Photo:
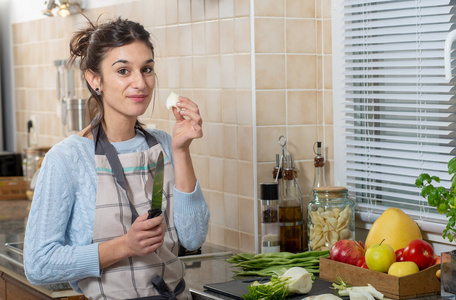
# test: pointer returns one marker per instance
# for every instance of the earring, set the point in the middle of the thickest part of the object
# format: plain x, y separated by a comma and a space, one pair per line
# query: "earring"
97, 90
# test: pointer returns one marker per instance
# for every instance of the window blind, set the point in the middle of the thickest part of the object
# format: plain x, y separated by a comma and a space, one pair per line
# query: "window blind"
399, 111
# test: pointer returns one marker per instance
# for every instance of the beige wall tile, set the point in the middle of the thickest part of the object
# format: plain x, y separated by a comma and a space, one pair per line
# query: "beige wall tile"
329, 141
172, 40
185, 72
148, 12
327, 69
227, 36
213, 71
246, 223
318, 7
241, 8
271, 108
267, 146
301, 36
269, 35
245, 143
185, 39
243, 71
212, 37
326, 9
171, 12
199, 38
218, 234
199, 72
228, 75
226, 8
327, 43
214, 106
245, 174
200, 146
158, 37
319, 37
301, 72
173, 72
300, 8
230, 141
328, 107
212, 9
232, 238
320, 72
300, 141
242, 34
229, 106
247, 243
270, 71
185, 11
160, 12
197, 10
231, 210
244, 107
216, 173
201, 166
302, 107
215, 135
230, 176
269, 8
320, 108
264, 171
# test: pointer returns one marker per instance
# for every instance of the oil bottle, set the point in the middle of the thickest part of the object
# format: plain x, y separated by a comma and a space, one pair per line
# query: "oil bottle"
291, 219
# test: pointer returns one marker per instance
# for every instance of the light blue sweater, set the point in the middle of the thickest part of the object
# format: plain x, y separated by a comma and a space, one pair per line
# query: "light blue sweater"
58, 239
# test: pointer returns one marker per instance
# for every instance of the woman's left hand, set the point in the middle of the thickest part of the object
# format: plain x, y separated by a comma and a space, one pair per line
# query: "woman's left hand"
188, 124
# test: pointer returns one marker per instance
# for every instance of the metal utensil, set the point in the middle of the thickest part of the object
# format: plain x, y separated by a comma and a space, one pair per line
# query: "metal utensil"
157, 193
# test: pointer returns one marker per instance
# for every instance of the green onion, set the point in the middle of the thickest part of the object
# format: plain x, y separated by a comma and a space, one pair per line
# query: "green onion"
276, 263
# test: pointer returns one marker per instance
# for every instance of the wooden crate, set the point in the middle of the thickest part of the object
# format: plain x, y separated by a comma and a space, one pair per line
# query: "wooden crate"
13, 188
423, 283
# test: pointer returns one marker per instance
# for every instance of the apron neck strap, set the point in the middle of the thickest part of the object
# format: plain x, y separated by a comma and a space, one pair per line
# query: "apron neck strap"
104, 147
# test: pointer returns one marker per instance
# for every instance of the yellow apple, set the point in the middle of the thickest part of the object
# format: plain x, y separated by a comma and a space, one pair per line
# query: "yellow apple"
403, 268
379, 257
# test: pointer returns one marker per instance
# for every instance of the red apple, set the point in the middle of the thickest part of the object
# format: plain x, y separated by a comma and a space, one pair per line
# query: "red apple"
400, 254
346, 251
362, 262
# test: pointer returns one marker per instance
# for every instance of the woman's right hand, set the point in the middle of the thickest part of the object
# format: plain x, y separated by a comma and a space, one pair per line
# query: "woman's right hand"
145, 235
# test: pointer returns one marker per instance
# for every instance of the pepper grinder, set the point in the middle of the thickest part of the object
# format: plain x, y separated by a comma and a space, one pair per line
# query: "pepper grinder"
270, 240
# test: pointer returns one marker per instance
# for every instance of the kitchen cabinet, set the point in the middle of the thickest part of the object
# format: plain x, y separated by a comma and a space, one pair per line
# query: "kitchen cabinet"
13, 289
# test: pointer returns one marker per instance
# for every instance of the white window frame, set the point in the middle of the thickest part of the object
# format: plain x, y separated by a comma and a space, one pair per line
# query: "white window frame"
431, 232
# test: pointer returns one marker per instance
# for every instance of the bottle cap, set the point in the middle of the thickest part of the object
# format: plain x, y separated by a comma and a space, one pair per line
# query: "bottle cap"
269, 190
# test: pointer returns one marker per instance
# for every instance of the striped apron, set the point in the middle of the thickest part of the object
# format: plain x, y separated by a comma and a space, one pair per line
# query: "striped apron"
124, 191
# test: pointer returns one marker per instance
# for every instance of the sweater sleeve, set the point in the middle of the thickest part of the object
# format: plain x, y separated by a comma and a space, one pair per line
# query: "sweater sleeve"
191, 213
47, 257
191, 217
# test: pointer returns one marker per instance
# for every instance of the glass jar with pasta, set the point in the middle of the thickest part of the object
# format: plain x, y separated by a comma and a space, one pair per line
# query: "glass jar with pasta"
331, 217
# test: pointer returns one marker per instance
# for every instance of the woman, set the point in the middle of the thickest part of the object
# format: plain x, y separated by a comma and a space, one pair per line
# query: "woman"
88, 224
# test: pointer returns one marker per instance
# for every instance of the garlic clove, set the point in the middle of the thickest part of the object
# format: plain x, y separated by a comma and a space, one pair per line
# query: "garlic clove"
172, 100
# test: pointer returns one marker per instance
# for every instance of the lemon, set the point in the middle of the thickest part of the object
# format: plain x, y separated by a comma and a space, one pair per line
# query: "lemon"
403, 268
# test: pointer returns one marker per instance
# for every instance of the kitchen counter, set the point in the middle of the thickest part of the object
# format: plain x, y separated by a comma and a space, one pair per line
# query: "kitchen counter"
206, 268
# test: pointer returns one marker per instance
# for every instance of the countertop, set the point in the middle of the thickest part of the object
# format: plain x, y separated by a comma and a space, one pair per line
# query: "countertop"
208, 268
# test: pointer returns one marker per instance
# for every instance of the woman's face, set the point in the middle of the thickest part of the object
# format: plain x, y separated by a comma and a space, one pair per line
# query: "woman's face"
127, 81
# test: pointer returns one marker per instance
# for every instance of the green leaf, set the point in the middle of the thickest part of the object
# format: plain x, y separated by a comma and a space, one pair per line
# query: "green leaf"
423, 177
424, 192
452, 166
